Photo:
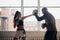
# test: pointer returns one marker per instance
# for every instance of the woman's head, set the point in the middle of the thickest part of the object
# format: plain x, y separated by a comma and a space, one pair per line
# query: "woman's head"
18, 14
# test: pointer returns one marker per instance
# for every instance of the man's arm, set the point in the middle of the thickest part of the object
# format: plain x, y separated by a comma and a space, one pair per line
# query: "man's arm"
39, 18
35, 12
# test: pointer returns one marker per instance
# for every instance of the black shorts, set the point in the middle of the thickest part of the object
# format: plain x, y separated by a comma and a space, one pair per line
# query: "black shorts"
20, 33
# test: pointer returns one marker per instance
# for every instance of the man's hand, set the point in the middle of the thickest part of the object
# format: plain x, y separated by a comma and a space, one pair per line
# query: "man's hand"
35, 12
44, 25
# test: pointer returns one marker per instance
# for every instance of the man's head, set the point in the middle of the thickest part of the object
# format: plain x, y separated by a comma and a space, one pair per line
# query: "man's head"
44, 10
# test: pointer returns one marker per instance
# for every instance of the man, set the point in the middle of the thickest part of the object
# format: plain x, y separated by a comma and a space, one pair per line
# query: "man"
51, 33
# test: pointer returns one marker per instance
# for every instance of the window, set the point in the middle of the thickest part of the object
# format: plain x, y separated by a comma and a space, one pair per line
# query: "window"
26, 7
49, 3
30, 2
10, 3
30, 23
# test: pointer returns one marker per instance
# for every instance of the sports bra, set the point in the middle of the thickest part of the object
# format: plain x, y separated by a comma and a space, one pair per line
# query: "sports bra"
19, 22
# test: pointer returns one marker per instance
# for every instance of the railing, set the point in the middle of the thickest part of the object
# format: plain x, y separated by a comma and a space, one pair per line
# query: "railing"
29, 35
38, 38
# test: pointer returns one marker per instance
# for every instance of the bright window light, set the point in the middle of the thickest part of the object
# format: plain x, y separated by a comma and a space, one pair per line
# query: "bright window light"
30, 2
49, 2
10, 2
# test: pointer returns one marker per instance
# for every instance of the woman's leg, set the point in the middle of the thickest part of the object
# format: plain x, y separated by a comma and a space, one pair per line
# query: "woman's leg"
24, 38
15, 38
24, 34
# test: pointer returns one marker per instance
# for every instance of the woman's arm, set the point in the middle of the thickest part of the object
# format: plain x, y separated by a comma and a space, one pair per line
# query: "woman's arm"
14, 25
26, 16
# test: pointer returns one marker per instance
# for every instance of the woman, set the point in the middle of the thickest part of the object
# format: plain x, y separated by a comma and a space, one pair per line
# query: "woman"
18, 22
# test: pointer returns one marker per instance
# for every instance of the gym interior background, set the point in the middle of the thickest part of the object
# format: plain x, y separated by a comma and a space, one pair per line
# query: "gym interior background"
9, 7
